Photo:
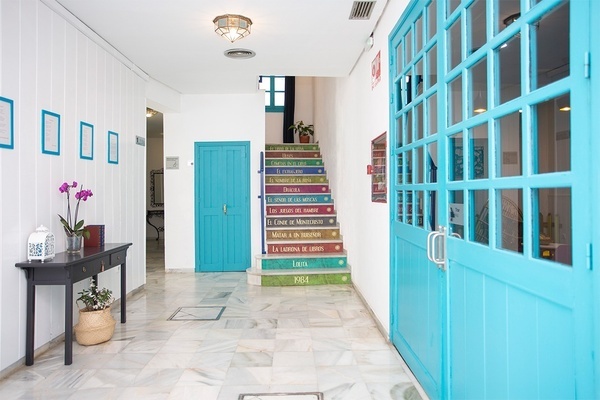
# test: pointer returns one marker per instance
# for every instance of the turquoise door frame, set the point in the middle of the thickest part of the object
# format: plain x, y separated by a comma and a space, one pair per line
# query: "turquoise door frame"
501, 318
222, 206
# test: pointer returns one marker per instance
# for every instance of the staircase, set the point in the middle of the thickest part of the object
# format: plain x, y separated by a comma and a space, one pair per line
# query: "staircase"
304, 245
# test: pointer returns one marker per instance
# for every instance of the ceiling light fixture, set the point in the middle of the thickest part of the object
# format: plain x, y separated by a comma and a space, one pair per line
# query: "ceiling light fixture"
150, 112
232, 27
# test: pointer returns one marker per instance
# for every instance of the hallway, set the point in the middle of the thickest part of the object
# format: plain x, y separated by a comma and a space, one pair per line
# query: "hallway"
266, 340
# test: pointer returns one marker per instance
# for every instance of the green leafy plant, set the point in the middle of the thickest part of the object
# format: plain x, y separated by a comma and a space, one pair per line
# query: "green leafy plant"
95, 299
71, 226
301, 129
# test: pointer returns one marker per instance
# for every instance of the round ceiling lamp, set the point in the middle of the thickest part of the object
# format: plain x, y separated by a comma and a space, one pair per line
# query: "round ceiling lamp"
232, 27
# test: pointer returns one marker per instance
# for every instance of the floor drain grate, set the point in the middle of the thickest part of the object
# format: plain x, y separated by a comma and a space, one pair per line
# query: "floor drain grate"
282, 396
197, 314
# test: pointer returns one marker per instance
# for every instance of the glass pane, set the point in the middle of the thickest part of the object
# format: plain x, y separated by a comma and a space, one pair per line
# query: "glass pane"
478, 98
408, 48
432, 162
264, 83
399, 131
509, 215
418, 34
476, 25
408, 87
480, 215
456, 213
432, 18
401, 210
267, 99
478, 143
432, 220
553, 134
409, 167
452, 5
432, 128
419, 168
419, 128
408, 127
455, 101
454, 55
279, 99
455, 156
508, 12
401, 168
419, 77
432, 66
400, 58
279, 83
550, 46
509, 135
508, 58
554, 227
418, 208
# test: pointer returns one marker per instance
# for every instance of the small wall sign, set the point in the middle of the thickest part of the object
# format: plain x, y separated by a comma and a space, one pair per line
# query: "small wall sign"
172, 162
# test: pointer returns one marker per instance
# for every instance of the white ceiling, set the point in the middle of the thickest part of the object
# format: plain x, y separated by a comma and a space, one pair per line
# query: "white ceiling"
174, 41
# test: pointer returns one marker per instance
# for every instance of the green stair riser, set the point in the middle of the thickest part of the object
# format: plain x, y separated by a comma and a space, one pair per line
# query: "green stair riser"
306, 279
292, 147
301, 221
298, 199
303, 234
303, 263
295, 179
293, 163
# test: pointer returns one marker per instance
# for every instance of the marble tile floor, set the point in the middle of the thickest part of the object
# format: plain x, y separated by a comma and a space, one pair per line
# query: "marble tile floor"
267, 340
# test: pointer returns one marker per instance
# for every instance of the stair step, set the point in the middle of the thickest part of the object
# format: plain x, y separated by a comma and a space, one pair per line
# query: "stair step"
291, 147
293, 162
301, 221
312, 234
337, 276
292, 154
306, 248
294, 170
290, 189
300, 210
274, 179
299, 199
320, 261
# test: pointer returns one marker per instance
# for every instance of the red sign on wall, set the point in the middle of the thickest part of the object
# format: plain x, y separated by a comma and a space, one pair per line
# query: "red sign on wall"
376, 70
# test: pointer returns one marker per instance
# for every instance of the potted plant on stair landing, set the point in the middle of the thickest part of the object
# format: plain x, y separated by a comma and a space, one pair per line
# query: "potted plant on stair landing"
96, 323
304, 131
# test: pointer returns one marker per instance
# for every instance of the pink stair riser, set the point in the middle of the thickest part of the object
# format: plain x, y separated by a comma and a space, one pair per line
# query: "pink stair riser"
301, 209
291, 189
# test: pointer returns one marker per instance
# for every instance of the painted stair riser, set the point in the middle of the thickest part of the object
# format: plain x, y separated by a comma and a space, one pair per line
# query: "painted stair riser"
295, 179
305, 279
292, 147
290, 189
293, 163
300, 210
299, 199
303, 234
294, 170
301, 222
292, 154
304, 248
303, 263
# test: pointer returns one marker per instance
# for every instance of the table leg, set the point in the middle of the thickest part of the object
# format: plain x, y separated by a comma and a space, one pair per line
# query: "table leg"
123, 292
30, 324
68, 323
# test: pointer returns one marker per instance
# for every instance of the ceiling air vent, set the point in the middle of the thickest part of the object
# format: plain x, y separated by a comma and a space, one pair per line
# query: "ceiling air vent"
362, 9
239, 53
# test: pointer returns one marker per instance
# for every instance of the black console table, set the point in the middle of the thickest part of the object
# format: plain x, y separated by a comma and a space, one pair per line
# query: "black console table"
66, 269
155, 213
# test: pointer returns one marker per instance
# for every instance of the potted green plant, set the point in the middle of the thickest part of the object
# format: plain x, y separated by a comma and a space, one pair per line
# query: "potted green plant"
304, 131
96, 323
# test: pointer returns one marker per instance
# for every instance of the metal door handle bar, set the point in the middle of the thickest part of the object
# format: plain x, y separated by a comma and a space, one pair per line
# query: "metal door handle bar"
436, 247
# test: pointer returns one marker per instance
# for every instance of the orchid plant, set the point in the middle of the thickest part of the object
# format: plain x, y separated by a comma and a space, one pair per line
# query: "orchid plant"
71, 226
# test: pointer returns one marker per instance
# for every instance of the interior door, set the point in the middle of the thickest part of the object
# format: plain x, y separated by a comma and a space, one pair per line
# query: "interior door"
489, 83
222, 206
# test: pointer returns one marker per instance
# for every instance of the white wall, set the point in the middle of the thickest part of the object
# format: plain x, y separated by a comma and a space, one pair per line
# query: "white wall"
348, 115
207, 118
47, 63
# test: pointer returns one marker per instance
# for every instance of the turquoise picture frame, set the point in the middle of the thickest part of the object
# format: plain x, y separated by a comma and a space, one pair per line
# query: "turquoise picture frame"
86, 141
50, 133
113, 147
7, 123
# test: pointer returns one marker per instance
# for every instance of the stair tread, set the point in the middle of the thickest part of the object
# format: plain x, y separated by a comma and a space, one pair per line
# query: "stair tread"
302, 255
311, 271
300, 228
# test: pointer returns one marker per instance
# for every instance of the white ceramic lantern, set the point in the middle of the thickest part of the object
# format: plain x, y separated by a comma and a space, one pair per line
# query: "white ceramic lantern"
40, 245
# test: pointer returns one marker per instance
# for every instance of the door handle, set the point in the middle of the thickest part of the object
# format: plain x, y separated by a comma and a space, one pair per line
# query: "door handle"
436, 247
225, 209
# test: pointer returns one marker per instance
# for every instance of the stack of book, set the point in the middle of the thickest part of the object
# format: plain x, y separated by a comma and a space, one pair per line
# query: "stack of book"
96, 236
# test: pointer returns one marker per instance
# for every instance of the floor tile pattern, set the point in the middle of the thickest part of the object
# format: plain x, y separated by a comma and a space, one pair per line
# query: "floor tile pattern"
268, 340
197, 314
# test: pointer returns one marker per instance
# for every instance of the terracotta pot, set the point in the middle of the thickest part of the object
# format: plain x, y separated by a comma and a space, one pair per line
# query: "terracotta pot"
304, 139
94, 327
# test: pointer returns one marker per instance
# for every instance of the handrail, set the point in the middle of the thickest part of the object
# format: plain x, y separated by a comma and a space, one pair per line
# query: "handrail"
261, 171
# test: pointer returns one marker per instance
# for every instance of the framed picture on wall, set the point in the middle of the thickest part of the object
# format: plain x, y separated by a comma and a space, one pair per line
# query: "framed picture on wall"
50, 133
86, 141
113, 147
7, 129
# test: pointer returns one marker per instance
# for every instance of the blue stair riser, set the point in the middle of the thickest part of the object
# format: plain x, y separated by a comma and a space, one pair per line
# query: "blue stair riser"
299, 199
294, 170
303, 263
301, 222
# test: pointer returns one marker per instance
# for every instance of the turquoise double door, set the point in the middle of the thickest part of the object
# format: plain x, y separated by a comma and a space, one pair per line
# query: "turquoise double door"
222, 206
493, 197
